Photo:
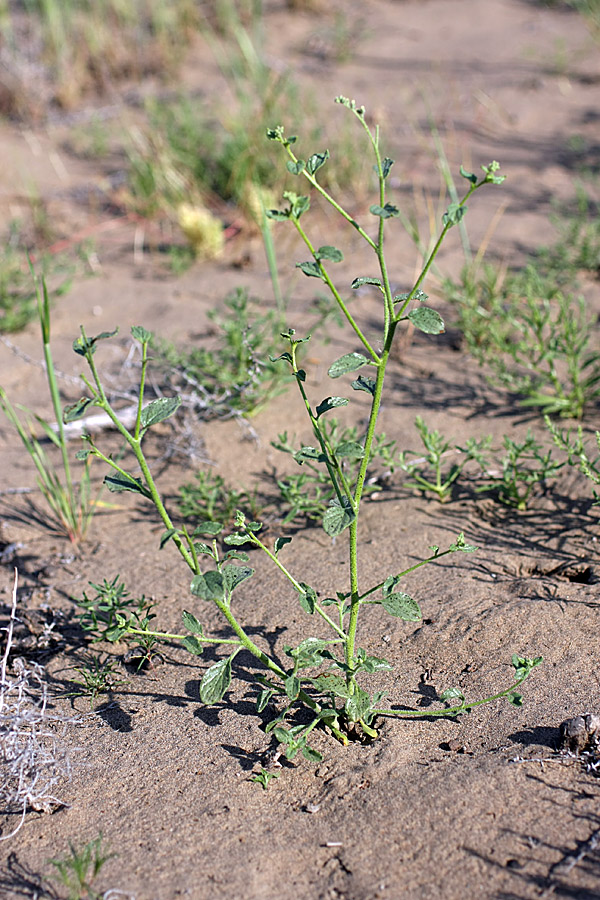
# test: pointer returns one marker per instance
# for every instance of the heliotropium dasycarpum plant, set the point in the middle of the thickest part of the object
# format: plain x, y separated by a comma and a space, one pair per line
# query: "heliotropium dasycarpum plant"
324, 674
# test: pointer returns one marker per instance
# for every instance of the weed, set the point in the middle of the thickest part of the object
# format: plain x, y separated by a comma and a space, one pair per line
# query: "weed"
72, 505
579, 245
322, 675
234, 376
429, 473
532, 336
209, 498
524, 466
96, 678
78, 870
577, 453
264, 777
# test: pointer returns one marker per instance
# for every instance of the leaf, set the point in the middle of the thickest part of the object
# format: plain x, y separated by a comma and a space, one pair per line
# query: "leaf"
295, 167
386, 165
124, 482
236, 540
402, 606
418, 295
158, 410
201, 547
308, 598
453, 694
376, 664
309, 652
350, 450
358, 705
292, 687
470, 176
208, 586
82, 345
193, 645
427, 320
333, 684
330, 403
215, 682
460, 544
314, 162
234, 575
83, 455
363, 383
280, 542
385, 212
236, 554
311, 755
347, 363
309, 453
332, 253
76, 410
311, 268
191, 622
454, 214
141, 334
263, 699
208, 527
515, 698
365, 279
337, 518
166, 537
279, 215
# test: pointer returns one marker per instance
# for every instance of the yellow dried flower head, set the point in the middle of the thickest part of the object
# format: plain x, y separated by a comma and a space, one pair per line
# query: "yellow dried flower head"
203, 230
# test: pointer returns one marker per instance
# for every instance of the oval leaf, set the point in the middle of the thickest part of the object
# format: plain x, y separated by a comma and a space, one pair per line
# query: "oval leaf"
158, 410
365, 279
347, 363
427, 320
331, 253
314, 162
402, 607
330, 403
234, 575
311, 268
123, 482
336, 519
216, 681
350, 450
363, 383
191, 622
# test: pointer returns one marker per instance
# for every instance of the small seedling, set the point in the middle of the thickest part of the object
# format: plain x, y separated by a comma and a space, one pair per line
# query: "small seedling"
209, 498
577, 453
264, 777
324, 675
78, 870
440, 451
96, 678
524, 466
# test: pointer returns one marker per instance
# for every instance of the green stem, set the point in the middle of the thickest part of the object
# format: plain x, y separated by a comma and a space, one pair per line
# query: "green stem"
451, 710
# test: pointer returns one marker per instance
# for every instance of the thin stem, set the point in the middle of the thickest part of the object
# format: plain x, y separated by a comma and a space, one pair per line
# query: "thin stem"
451, 710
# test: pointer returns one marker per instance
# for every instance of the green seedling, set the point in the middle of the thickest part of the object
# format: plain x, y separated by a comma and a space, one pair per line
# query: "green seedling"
431, 473
524, 467
326, 673
577, 453
72, 504
209, 498
264, 777
532, 336
78, 870
96, 678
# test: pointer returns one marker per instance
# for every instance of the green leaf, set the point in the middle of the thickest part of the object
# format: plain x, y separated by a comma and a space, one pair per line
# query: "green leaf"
330, 403
358, 705
333, 684
363, 383
347, 363
201, 547
453, 694
280, 542
385, 212
83, 455
236, 554
337, 518
427, 320
215, 682
208, 586
332, 253
158, 410
295, 167
366, 279
418, 295
376, 664
402, 606
454, 214
515, 698
386, 165
166, 537
309, 453
309, 652
308, 598
123, 482
236, 540
234, 575
191, 622
470, 176
279, 215
76, 410
314, 162
208, 527
350, 450
263, 699
141, 334
311, 755
82, 345
193, 645
311, 268
490, 173
292, 687
460, 545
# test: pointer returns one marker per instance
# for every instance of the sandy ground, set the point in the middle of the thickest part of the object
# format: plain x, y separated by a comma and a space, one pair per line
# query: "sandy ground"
435, 808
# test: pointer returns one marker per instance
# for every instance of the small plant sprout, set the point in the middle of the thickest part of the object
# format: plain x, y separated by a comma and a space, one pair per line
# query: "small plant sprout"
577, 453
264, 777
78, 870
430, 473
95, 678
524, 466
326, 673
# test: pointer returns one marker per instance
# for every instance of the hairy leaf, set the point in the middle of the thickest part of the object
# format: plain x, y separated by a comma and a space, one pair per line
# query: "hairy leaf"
347, 363
337, 518
215, 682
330, 403
159, 410
331, 253
191, 622
427, 320
402, 606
